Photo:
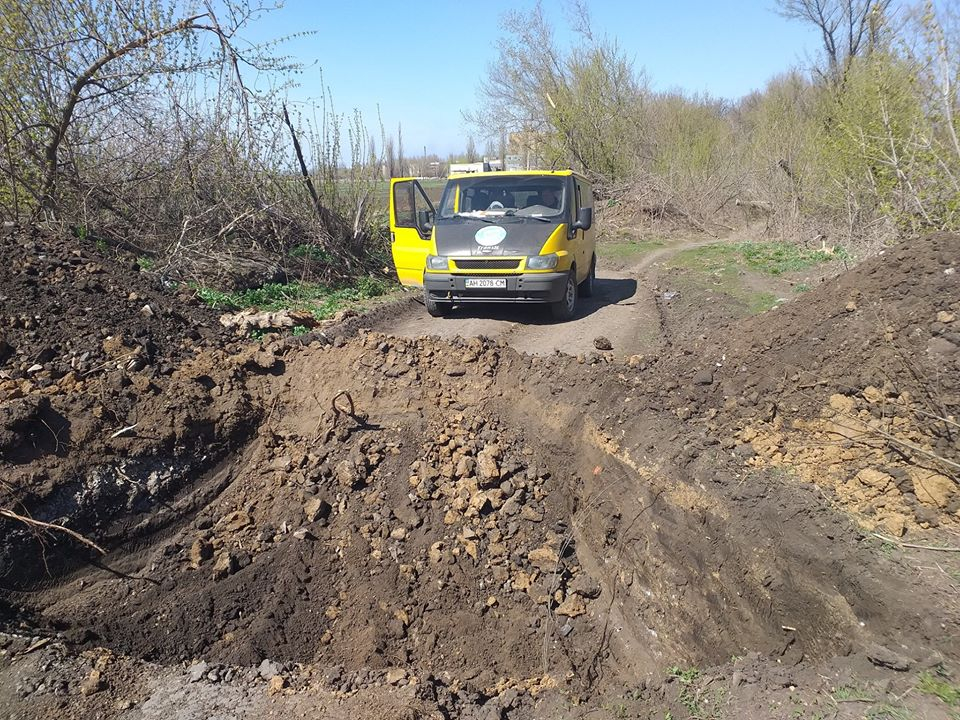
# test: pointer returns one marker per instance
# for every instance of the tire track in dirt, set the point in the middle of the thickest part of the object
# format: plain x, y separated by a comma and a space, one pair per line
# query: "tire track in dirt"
623, 310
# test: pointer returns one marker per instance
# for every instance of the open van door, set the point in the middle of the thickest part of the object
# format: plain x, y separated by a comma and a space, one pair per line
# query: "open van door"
411, 222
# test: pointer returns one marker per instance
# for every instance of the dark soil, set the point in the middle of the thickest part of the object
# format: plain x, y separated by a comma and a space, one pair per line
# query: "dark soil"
71, 308
427, 528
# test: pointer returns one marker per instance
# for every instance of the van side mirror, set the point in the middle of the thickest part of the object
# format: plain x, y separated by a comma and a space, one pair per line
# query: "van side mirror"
584, 219
424, 220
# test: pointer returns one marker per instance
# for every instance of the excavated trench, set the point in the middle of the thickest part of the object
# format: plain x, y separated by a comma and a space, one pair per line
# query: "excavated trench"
449, 506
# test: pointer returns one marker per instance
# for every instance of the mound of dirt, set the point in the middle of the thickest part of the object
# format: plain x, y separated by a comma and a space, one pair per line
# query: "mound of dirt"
69, 313
855, 386
398, 528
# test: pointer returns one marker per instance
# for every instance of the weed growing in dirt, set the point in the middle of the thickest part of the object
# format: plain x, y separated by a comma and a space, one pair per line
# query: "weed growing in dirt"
624, 248
850, 692
938, 684
689, 696
780, 258
145, 263
887, 712
320, 300
771, 258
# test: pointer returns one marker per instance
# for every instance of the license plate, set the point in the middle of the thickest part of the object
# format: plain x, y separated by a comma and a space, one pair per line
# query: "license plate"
491, 283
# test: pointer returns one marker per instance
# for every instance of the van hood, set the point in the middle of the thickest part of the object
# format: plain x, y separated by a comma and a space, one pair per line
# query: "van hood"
465, 239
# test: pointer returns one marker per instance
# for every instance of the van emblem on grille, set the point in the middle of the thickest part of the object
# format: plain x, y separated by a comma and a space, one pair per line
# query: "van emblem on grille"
490, 235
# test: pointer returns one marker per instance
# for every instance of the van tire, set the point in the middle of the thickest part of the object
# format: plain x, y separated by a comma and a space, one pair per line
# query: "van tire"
565, 307
436, 308
586, 287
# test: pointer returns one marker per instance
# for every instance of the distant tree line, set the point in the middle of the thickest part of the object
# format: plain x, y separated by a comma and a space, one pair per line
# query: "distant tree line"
861, 144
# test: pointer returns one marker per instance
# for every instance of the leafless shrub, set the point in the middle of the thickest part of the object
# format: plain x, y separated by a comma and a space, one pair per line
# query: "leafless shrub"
134, 130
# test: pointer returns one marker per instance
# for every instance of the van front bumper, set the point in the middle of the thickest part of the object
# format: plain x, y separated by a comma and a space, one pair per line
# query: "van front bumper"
526, 288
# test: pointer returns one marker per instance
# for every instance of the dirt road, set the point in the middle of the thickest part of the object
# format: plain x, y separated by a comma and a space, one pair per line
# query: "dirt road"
623, 310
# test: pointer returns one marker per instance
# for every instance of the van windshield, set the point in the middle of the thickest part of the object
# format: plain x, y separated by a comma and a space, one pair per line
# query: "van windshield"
488, 198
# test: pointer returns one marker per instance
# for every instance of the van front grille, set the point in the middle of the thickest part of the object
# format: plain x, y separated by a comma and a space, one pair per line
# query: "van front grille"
488, 263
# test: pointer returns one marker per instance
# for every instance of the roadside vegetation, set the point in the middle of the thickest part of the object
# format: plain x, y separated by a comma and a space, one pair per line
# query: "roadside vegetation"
321, 301
138, 126
770, 258
147, 126
757, 275
857, 149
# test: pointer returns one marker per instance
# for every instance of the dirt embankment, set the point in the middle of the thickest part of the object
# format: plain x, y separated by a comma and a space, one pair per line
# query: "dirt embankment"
855, 387
431, 528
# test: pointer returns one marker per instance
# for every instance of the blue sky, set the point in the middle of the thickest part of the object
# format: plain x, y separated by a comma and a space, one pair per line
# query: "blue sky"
420, 62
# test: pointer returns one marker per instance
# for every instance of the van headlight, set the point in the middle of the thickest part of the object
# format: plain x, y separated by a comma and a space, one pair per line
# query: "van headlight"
542, 262
438, 262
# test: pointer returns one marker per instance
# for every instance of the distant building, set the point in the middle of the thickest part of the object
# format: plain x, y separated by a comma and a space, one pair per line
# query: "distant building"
485, 165
515, 162
467, 167
524, 150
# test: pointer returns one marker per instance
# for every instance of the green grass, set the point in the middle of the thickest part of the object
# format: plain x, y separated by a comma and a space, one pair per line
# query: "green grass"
623, 249
722, 265
780, 258
938, 685
770, 258
851, 692
688, 696
320, 300
887, 712
758, 302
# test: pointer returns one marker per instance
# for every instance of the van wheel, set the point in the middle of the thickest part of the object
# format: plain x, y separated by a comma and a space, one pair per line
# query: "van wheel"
565, 307
434, 307
586, 287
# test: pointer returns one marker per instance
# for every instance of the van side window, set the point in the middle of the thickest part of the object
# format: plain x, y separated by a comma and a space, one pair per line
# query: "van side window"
404, 204
574, 205
409, 199
584, 195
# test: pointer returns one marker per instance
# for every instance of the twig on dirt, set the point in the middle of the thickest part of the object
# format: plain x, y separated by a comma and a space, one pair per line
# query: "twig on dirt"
894, 541
101, 366
51, 526
914, 448
124, 430
56, 437
341, 411
37, 645
854, 700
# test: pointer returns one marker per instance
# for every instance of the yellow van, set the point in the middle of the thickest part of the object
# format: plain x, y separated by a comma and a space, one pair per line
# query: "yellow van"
497, 237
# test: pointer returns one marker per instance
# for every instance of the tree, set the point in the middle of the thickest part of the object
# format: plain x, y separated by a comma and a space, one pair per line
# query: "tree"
471, 151
581, 108
78, 66
131, 121
847, 28
401, 162
390, 158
